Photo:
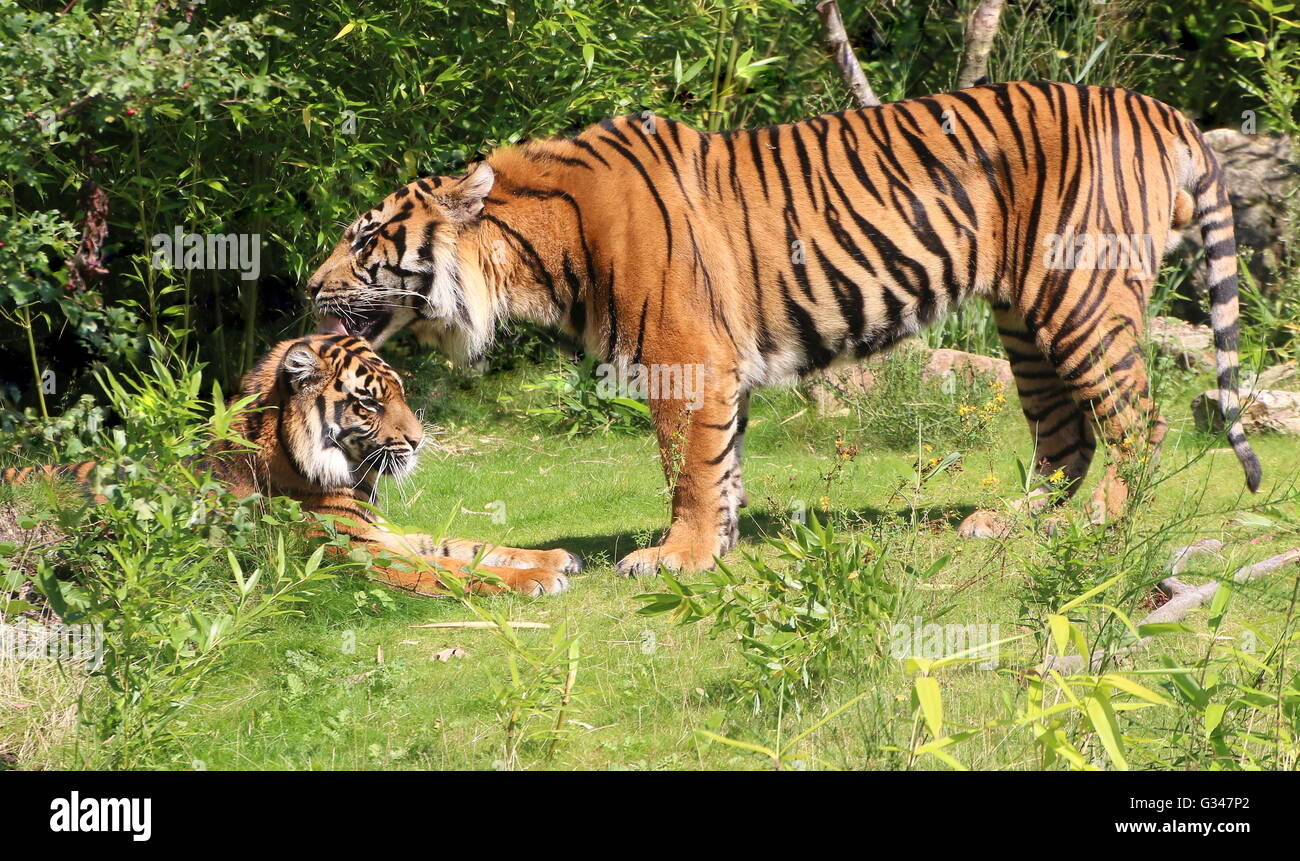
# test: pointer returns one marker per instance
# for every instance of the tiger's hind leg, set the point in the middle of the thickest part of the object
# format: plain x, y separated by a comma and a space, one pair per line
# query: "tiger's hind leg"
742, 422
1102, 361
1064, 442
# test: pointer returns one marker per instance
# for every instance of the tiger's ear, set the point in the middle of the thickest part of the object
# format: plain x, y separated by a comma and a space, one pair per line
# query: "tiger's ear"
302, 365
464, 200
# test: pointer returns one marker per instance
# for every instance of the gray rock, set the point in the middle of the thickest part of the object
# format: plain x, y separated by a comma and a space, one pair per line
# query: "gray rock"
1261, 172
1284, 376
944, 363
1190, 345
1264, 411
832, 388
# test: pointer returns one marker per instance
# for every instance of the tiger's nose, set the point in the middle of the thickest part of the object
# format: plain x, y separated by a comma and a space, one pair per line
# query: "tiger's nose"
414, 440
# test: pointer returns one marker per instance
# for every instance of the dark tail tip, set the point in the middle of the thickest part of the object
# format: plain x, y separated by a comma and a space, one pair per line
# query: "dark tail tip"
1254, 473
1245, 454
1251, 463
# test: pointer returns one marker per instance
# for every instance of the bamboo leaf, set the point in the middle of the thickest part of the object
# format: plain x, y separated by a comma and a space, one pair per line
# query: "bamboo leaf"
931, 703
1107, 728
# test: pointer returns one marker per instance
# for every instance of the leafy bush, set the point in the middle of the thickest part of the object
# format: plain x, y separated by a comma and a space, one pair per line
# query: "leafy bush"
574, 401
821, 607
902, 410
1235, 707
170, 567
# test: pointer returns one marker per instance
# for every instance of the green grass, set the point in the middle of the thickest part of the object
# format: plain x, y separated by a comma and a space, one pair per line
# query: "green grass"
351, 684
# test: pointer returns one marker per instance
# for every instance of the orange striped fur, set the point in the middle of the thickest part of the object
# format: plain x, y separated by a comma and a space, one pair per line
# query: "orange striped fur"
329, 418
765, 254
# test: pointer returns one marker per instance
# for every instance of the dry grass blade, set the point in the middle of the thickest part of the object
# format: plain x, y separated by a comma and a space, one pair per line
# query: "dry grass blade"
480, 625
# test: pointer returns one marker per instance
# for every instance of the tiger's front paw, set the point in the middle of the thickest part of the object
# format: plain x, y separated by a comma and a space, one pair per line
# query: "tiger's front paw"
562, 560
513, 557
984, 524
536, 581
674, 557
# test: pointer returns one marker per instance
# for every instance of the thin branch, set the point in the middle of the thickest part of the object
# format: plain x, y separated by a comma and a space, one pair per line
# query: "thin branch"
980, 31
838, 42
1183, 599
88, 260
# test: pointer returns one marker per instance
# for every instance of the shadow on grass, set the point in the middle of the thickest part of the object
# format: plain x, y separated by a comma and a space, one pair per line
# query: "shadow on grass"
755, 526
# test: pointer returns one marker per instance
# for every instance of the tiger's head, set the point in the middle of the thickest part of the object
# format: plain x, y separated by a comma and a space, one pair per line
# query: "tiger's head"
342, 418
400, 265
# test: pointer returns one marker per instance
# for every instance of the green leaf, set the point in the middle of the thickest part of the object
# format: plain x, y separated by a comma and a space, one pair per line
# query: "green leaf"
1129, 686
1214, 716
1060, 627
1156, 629
931, 703
944, 756
1256, 521
1096, 590
1107, 728
743, 745
1219, 604
692, 71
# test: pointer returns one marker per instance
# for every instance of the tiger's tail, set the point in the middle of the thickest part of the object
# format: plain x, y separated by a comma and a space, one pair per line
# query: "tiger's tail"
1213, 213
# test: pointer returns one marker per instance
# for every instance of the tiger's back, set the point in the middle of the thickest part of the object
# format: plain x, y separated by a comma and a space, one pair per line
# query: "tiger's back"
836, 236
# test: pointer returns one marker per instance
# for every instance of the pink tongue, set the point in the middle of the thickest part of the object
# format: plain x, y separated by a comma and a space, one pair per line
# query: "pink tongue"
331, 325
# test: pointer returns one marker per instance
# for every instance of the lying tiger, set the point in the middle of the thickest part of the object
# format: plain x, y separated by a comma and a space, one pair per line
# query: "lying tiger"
330, 417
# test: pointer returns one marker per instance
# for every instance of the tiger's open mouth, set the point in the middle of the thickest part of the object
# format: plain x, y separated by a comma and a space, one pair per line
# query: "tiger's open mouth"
331, 325
367, 323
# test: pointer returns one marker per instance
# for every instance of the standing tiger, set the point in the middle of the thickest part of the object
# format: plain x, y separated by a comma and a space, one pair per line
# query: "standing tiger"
327, 419
762, 255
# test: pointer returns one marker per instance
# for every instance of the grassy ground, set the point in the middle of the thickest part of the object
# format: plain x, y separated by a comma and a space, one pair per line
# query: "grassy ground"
352, 684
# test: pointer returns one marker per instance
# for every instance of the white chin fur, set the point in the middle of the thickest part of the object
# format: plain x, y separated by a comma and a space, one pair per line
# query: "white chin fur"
458, 342
329, 468
460, 316
406, 468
